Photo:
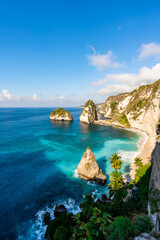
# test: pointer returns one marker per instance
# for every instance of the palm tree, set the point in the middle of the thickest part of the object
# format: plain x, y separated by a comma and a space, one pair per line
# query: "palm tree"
138, 162
117, 181
115, 161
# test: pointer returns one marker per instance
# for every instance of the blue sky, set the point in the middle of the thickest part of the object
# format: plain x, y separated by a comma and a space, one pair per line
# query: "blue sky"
61, 53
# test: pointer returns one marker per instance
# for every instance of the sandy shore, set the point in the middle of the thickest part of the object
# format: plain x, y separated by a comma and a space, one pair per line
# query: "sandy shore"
144, 154
145, 145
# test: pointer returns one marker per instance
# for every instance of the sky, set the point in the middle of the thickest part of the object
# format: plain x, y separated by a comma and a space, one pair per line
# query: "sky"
63, 52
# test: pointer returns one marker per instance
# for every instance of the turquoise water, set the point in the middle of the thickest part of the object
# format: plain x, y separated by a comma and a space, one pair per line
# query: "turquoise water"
38, 162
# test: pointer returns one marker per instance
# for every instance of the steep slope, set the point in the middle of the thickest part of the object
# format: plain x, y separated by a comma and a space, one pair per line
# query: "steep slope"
139, 109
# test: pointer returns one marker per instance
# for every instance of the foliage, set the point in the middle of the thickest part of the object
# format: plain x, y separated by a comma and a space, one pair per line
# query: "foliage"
92, 222
61, 233
141, 172
115, 161
117, 181
120, 229
113, 106
142, 223
138, 162
65, 220
124, 120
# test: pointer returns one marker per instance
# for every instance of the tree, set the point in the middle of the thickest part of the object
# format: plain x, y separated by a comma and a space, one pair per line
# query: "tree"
115, 161
138, 162
117, 181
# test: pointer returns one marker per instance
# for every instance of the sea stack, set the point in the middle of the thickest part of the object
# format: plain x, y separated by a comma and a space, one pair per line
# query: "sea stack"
88, 168
61, 114
90, 113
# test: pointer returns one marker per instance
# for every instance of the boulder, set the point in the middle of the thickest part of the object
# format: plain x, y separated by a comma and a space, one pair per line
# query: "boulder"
88, 168
47, 218
90, 113
61, 114
59, 210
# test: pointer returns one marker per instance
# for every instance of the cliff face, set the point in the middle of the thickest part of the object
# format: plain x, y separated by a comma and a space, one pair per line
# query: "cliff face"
155, 174
90, 113
139, 109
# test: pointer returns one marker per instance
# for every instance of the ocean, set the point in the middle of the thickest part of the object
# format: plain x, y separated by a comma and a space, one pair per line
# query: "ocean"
38, 162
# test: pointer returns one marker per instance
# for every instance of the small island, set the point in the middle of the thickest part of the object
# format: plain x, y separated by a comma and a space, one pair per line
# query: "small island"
90, 113
88, 168
61, 114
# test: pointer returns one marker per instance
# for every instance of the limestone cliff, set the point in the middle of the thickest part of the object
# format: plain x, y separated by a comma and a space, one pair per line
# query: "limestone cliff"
61, 114
88, 168
90, 113
155, 174
139, 109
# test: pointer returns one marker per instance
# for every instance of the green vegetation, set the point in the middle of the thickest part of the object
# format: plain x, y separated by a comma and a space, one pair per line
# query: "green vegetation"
87, 166
116, 161
61, 113
124, 120
121, 216
138, 162
120, 229
142, 224
113, 106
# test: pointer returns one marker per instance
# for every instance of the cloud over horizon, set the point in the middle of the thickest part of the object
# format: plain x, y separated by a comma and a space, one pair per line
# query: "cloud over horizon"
125, 82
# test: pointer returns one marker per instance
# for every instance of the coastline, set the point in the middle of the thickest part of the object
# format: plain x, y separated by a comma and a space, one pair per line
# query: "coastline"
145, 145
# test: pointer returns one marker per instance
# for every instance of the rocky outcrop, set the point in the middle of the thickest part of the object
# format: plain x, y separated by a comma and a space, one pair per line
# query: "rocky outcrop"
61, 114
47, 218
59, 210
90, 113
88, 168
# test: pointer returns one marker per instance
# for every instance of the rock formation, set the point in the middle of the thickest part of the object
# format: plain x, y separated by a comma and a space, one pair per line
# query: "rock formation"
139, 109
90, 113
155, 173
59, 210
88, 168
61, 114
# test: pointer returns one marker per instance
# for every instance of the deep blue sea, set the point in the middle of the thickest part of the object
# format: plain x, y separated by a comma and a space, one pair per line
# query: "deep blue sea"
38, 162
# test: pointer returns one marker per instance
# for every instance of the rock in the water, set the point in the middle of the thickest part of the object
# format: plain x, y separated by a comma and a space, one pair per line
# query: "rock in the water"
88, 168
90, 113
59, 210
61, 114
47, 218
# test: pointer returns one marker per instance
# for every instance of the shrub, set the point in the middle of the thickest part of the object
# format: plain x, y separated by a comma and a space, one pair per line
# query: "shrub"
61, 233
120, 229
142, 223
65, 220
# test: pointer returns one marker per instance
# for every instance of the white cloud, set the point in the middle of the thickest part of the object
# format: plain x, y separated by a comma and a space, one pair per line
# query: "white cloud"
5, 95
125, 82
103, 61
35, 97
114, 89
149, 50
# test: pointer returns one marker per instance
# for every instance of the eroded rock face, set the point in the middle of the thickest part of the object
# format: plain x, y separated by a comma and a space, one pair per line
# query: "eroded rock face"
88, 168
47, 218
61, 114
59, 210
90, 113
155, 173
